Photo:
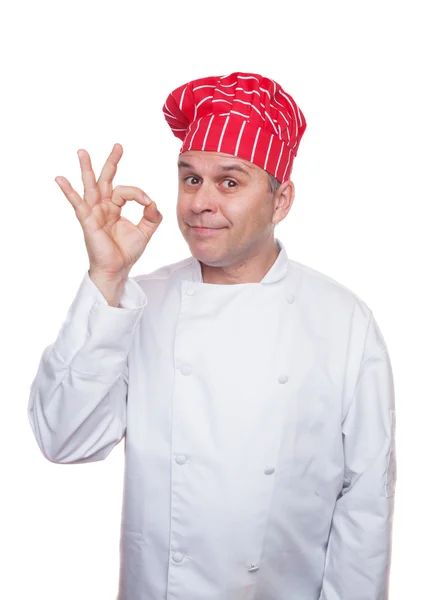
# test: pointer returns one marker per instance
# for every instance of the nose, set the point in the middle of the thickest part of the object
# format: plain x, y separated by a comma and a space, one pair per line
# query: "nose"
203, 199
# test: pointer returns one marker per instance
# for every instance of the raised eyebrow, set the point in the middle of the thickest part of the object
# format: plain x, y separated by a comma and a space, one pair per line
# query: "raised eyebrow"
185, 165
228, 168
182, 164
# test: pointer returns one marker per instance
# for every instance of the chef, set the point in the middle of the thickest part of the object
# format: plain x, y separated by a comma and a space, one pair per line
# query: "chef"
254, 394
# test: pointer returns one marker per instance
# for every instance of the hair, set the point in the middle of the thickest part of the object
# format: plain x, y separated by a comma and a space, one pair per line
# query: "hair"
273, 183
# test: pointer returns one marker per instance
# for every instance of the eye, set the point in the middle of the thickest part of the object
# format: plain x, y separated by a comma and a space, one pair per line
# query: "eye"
192, 180
226, 183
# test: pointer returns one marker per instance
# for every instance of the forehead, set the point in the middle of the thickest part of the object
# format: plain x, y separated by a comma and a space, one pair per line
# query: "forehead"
213, 160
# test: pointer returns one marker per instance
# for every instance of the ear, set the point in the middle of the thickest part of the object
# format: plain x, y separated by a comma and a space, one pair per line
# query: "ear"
282, 201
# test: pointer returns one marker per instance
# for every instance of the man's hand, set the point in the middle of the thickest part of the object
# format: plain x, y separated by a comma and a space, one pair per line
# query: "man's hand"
113, 243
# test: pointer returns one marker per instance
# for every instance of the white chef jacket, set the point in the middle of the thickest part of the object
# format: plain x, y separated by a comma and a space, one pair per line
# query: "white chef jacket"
258, 421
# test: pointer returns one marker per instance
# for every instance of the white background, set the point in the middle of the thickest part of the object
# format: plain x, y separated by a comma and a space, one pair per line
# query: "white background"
87, 74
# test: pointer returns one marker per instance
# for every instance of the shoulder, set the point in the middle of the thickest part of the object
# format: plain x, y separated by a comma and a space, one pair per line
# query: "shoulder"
313, 281
332, 302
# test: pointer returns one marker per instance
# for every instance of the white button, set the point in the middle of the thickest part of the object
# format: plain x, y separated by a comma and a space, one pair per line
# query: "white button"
283, 378
178, 557
181, 459
253, 567
190, 292
186, 370
290, 298
269, 470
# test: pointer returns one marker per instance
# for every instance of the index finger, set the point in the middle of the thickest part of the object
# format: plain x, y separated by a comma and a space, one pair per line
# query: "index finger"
105, 180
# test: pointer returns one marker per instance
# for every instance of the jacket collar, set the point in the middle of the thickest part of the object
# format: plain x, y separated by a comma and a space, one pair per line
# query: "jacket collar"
277, 271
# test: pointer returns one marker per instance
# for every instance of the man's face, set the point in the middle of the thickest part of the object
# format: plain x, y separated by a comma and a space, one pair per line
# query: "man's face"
229, 195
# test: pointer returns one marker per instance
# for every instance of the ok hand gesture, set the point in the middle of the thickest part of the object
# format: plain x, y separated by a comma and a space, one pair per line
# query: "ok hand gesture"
113, 243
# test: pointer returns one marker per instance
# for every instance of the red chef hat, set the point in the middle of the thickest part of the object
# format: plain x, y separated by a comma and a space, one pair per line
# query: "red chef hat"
243, 114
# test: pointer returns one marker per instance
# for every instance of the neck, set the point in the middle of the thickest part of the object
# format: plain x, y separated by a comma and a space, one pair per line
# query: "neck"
248, 270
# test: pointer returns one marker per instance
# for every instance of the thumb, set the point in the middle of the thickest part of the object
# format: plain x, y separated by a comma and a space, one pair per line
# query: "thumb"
152, 216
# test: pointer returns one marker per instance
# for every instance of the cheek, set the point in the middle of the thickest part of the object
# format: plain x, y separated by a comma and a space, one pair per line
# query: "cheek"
253, 213
181, 206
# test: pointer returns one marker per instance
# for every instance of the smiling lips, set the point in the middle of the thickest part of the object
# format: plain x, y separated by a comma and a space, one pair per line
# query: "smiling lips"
206, 230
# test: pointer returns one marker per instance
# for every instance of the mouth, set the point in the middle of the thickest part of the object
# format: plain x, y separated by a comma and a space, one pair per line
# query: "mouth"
206, 230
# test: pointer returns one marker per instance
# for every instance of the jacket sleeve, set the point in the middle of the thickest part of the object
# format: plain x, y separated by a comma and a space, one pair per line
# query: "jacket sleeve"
358, 555
77, 405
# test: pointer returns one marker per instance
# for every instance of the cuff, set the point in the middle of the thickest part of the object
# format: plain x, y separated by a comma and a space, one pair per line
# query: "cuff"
94, 331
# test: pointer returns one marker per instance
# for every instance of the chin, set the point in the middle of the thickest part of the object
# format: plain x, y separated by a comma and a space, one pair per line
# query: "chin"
210, 256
